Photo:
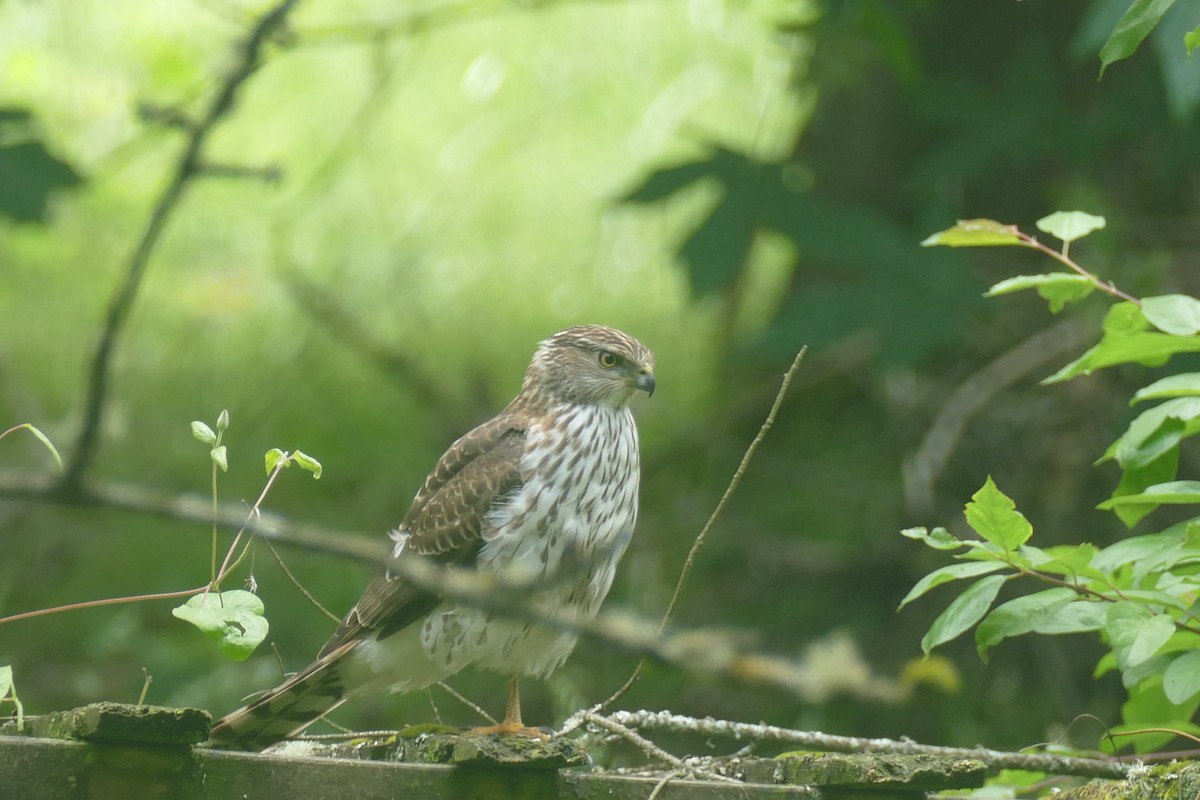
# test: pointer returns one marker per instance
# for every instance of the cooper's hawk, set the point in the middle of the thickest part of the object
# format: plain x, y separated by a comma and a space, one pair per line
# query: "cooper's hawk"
545, 493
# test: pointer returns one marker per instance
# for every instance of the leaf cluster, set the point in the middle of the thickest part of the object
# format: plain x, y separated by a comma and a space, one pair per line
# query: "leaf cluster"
1141, 595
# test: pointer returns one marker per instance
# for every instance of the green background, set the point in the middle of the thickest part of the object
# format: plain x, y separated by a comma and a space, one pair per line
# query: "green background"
451, 183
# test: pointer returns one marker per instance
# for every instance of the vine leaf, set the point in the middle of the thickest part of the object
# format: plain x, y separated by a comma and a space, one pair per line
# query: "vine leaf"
966, 609
1070, 226
976, 233
234, 619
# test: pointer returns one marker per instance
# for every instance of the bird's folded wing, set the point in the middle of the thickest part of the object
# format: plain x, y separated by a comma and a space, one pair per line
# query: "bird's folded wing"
446, 522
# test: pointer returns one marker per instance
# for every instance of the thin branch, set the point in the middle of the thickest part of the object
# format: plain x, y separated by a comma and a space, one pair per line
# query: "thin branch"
187, 168
1060, 765
299, 586
921, 469
710, 652
465, 701
690, 560
1064, 259
651, 749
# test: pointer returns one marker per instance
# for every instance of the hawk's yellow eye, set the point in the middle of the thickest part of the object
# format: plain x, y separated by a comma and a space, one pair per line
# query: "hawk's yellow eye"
607, 359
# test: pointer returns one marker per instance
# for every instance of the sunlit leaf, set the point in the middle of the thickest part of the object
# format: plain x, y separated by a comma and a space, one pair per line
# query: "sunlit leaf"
1176, 314
1181, 680
234, 619
1134, 26
273, 457
1070, 226
953, 572
203, 432
1185, 384
1135, 632
1127, 339
993, 516
1078, 616
976, 233
1019, 616
938, 538
966, 609
1132, 549
1057, 288
6, 680
1135, 480
1155, 431
1171, 493
220, 457
307, 462
1191, 40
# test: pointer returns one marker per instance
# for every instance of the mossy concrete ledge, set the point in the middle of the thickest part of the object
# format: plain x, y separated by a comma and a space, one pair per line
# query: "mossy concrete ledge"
1176, 780
915, 773
108, 751
120, 723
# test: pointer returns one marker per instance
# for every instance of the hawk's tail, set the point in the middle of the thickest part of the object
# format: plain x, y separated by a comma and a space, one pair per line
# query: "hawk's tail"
283, 711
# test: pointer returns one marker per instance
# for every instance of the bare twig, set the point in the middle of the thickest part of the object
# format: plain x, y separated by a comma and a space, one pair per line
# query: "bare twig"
1061, 765
1064, 259
650, 748
922, 468
690, 560
466, 702
299, 586
187, 168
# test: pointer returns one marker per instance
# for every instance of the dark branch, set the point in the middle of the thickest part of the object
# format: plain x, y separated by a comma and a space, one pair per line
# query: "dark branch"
122, 302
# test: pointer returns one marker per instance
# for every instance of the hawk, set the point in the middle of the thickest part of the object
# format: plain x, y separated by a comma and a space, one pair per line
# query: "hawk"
547, 489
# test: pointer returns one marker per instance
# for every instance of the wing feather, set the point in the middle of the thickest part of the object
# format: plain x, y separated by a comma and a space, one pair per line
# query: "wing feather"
446, 521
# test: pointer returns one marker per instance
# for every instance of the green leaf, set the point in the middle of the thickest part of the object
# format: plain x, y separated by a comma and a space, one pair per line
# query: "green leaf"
969, 569
993, 516
234, 619
203, 432
1176, 314
45, 440
1131, 29
1135, 632
1127, 339
220, 457
274, 456
976, 233
307, 462
1171, 493
1132, 549
1019, 616
1057, 288
1078, 616
1148, 707
966, 609
1181, 680
1135, 480
938, 538
1185, 384
1191, 40
1071, 225
8, 692
1155, 431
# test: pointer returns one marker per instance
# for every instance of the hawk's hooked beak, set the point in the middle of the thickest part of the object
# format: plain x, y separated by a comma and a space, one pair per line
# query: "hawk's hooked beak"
645, 382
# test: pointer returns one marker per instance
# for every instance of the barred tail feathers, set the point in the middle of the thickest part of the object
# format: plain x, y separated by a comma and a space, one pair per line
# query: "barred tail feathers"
284, 710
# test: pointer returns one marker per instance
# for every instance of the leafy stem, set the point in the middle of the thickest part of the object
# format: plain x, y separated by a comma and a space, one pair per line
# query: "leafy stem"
1065, 259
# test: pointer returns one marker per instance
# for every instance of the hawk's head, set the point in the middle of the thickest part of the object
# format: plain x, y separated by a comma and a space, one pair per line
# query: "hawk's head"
591, 364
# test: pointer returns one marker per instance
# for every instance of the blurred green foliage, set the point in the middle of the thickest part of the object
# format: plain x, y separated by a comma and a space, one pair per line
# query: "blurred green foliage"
727, 181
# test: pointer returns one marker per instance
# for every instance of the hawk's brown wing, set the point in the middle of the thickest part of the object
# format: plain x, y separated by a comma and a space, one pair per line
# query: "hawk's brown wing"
445, 522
